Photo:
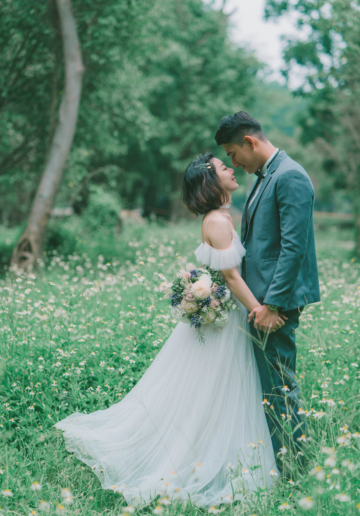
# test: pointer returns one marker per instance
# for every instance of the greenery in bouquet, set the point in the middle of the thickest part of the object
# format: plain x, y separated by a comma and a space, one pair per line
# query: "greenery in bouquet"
199, 296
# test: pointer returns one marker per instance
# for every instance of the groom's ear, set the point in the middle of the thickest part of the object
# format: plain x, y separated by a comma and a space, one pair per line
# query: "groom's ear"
248, 140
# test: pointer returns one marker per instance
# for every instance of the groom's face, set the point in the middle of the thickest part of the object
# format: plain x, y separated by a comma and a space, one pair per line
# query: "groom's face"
244, 155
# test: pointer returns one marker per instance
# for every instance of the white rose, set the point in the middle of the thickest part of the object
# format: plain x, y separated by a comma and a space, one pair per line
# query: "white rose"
204, 272
222, 320
209, 317
202, 288
189, 307
177, 312
226, 296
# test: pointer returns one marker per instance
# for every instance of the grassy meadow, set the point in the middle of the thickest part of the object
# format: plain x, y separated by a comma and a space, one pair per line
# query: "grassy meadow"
80, 332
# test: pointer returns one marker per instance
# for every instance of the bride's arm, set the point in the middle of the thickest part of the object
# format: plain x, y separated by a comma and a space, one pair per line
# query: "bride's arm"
239, 288
219, 234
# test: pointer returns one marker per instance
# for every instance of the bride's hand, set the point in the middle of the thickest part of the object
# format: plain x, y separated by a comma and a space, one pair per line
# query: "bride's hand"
267, 320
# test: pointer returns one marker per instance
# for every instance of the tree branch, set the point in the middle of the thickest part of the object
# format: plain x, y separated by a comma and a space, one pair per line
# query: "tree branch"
87, 178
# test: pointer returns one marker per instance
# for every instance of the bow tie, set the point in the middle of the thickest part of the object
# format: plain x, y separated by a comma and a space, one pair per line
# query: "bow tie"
259, 174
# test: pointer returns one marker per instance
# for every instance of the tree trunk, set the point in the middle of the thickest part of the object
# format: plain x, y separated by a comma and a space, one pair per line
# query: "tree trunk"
30, 245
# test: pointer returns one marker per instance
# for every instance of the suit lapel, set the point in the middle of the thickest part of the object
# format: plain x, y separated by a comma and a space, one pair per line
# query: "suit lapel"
274, 165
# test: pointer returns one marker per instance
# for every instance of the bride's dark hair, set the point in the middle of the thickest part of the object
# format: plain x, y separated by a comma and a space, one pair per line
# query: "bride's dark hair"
201, 186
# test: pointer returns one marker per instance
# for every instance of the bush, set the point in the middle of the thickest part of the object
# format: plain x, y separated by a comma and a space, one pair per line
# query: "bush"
8, 239
102, 211
94, 231
63, 235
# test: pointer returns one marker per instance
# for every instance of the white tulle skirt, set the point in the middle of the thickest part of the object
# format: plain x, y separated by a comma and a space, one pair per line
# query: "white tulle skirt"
194, 425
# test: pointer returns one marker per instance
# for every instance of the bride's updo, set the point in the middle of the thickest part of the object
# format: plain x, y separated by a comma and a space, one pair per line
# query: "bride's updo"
201, 187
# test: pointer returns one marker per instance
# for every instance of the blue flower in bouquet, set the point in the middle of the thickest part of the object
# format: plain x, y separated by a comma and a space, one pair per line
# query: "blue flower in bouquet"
206, 302
196, 321
176, 299
193, 274
220, 292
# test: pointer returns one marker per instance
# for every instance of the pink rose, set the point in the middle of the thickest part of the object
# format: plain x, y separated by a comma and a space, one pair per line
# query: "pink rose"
215, 303
186, 275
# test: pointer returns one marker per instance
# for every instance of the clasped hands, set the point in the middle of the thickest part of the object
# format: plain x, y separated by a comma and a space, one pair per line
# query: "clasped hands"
267, 320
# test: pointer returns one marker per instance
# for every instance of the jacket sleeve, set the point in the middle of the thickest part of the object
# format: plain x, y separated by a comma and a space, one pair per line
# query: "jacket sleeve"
295, 198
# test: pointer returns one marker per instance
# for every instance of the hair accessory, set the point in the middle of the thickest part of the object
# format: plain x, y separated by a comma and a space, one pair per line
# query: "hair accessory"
202, 165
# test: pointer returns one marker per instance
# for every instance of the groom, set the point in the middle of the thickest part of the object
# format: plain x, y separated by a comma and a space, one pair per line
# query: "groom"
280, 268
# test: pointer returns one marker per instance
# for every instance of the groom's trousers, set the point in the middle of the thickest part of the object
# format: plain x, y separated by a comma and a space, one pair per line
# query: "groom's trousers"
276, 364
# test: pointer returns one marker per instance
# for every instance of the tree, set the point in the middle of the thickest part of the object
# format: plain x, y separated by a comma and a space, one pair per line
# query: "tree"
30, 245
330, 53
112, 99
29, 57
195, 76
159, 76
155, 104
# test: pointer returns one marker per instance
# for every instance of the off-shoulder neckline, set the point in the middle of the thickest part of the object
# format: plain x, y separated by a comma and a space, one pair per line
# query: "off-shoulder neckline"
235, 234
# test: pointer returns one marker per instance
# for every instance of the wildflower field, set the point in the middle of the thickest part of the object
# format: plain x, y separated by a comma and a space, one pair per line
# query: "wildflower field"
79, 333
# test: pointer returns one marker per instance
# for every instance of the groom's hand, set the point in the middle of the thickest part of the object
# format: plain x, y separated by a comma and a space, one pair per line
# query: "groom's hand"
267, 320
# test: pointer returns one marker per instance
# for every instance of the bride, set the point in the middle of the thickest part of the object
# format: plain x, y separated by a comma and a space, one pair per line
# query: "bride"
194, 425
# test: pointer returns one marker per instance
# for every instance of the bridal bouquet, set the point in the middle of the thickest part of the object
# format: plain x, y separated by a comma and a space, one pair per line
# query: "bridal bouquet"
199, 296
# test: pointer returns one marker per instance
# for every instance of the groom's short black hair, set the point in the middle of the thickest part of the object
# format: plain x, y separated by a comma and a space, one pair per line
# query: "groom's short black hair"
233, 128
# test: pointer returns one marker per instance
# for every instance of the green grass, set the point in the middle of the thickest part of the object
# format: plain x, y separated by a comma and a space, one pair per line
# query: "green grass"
80, 334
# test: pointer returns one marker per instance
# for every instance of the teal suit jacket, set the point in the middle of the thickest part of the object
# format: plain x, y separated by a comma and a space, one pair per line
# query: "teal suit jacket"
280, 266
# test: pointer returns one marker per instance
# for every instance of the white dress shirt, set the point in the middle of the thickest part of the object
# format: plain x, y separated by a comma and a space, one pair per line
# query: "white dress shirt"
264, 172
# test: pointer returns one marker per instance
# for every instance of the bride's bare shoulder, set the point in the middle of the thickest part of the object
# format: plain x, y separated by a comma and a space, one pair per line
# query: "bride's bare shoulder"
215, 218
214, 224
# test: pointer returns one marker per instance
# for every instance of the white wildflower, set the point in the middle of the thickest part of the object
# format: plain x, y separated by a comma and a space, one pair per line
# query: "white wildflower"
330, 461
318, 472
285, 507
343, 497
306, 503
7, 492
44, 506
65, 493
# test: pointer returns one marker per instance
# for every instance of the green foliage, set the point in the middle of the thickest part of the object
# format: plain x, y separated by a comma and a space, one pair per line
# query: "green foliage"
63, 236
102, 212
31, 87
331, 56
8, 239
98, 227
28, 60
158, 77
80, 335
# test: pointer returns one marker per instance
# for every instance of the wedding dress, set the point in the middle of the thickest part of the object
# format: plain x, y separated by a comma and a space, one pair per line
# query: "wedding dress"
194, 425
